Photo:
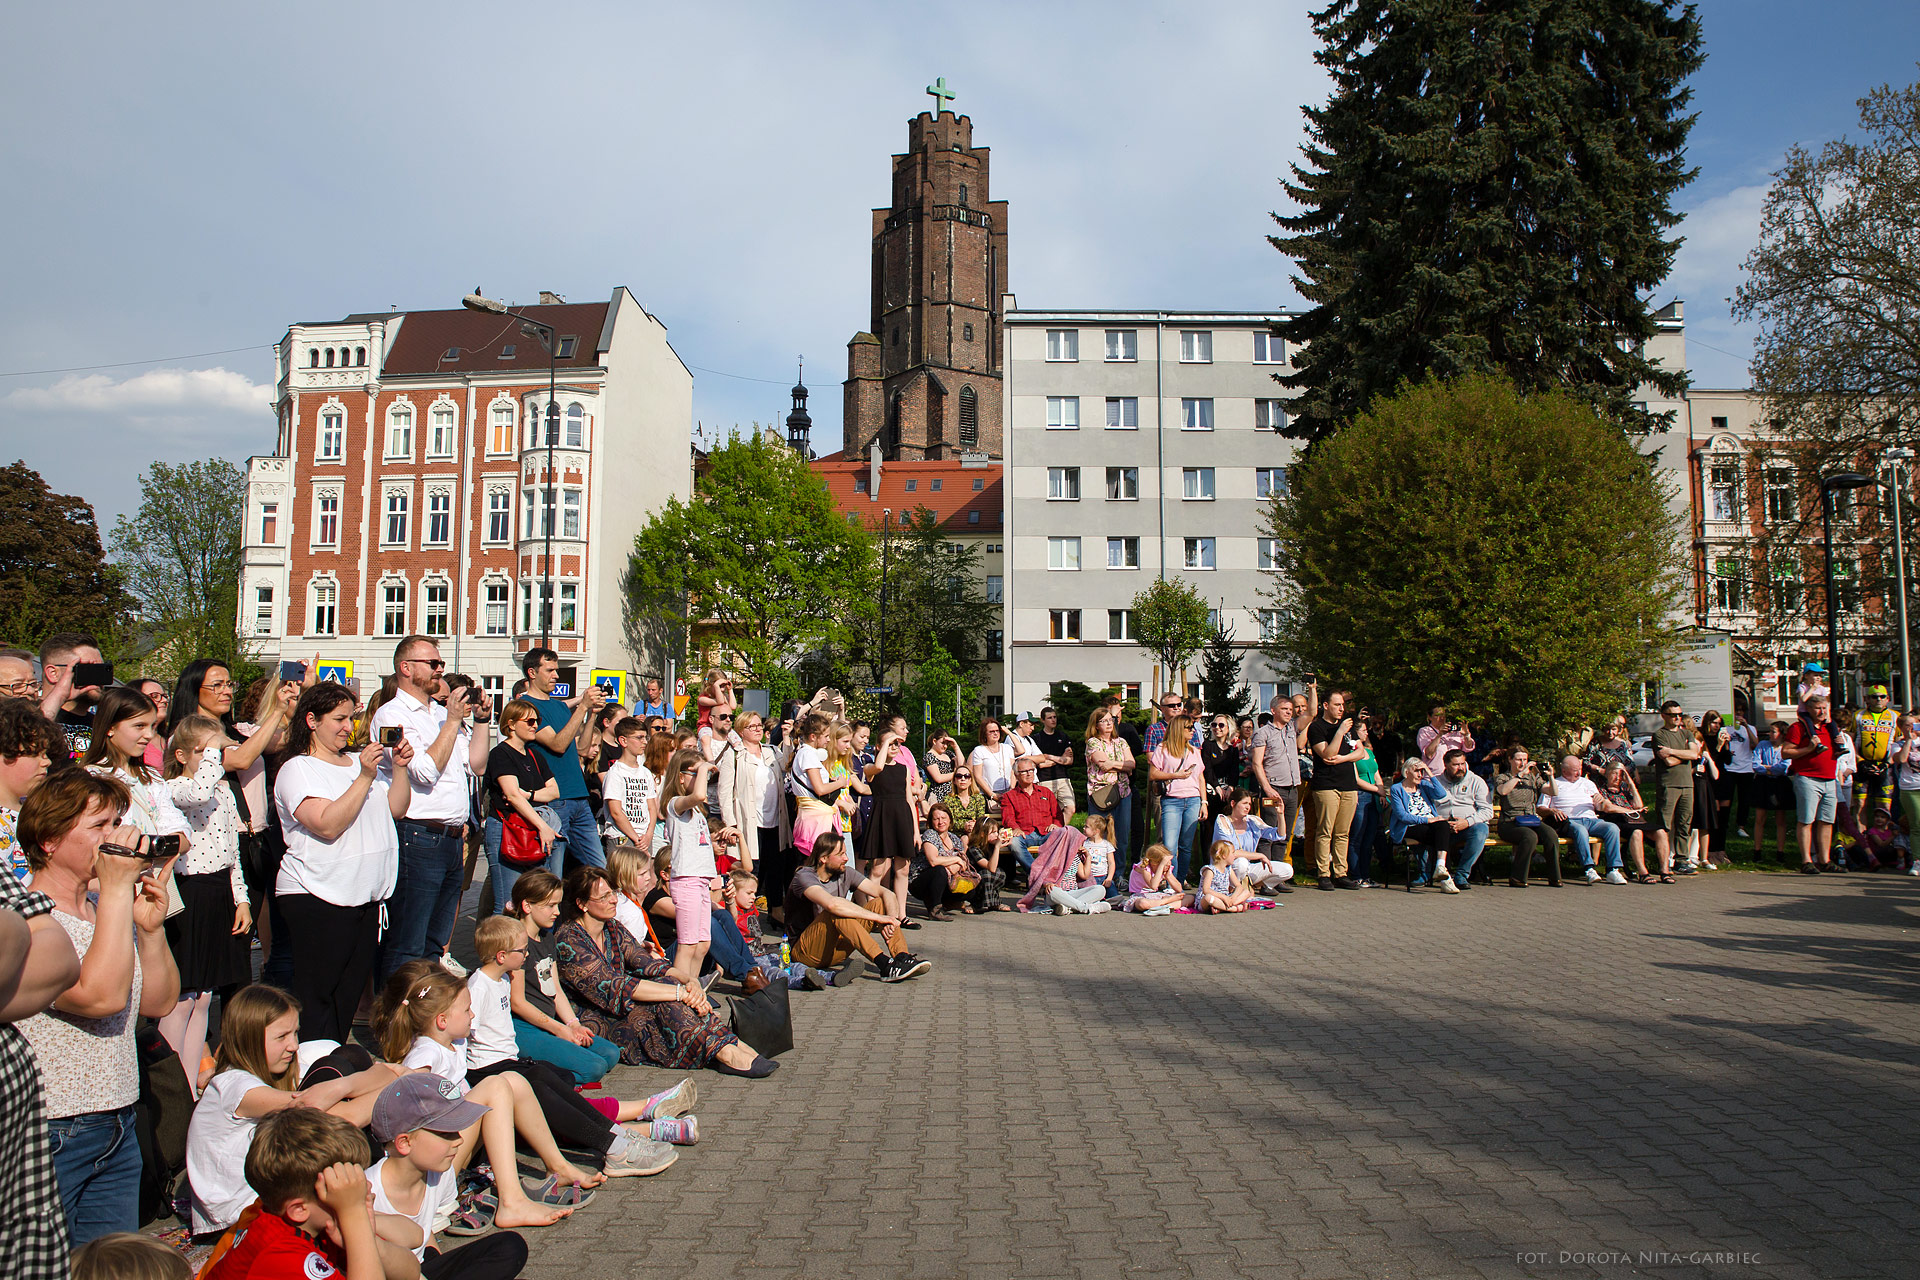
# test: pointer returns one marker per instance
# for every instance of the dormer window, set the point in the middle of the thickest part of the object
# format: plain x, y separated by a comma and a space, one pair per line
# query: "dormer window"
566, 347
506, 352
859, 484
453, 353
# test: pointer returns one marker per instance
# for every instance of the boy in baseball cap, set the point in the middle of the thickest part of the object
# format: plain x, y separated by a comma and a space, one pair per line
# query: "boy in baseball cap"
418, 1120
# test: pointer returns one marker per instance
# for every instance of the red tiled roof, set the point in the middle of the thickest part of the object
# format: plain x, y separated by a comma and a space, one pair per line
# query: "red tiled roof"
426, 336
955, 498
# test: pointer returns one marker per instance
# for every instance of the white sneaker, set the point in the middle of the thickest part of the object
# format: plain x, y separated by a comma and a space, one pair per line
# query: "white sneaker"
1099, 907
451, 965
1742, 833
1593, 876
1447, 885
1614, 877
1167, 911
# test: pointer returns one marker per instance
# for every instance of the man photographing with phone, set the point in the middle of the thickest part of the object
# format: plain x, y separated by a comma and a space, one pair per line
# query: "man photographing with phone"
446, 754
72, 676
560, 725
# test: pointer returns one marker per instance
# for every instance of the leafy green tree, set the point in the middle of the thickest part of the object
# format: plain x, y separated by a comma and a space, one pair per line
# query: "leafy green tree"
935, 600
180, 557
1171, 621
53, 576
1509, 555
1220, 675
760, 560
938, 680
1488, 189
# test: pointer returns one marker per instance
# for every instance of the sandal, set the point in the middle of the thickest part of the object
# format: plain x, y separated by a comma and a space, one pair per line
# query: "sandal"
472, 1216
1668, 879
1646, 877
555, 1194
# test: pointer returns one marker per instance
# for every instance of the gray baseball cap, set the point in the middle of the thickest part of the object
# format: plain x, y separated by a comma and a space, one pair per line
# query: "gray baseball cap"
422, 1101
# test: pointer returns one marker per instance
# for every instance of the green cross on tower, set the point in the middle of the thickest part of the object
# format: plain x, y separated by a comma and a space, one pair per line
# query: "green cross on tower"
940, 94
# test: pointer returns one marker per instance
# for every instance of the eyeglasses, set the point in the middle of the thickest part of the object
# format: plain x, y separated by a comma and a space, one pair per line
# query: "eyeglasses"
438, 664
21, 688
963, 774
219, 686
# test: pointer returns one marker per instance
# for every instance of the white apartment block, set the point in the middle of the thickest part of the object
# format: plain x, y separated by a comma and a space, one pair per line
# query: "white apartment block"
1139, 443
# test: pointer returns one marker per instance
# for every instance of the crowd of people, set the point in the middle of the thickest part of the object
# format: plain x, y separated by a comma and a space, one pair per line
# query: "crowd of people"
287, 863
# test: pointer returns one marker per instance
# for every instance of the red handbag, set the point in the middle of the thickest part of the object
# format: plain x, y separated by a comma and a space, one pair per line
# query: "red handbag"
520, 843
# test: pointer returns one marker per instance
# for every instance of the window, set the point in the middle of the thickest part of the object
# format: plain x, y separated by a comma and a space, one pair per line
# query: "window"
325, 595
1123, 553
1269, 482
1063, 484
859, 484
1063, 553
1729, 585
1063, 413
496, 617
1196, 346
969, 413
499, 515
451, 353
913, 486
326, 518
1786, 589
1782, 681
400, 432
1199, 553
333, 435
935, 486
506, 352
313, 357
1268, 348
1269, 628
396, 532
996, 706
993, 588
1843, 506
1723, 491
1269, 552
978, 485
439, 609
1063, 624
1780, 498
1119, 624
576, 427
1269, 415
1846, 584
329, 357
393, 609
439, 518
566, 347
269, 521
495, 687
1719, 424
1196, 414
440, 440
1123, 413
570, 513
263, 611
1123, 344
527, 620
1123, 484
569, 606
996, 645
536, 501
1063, 344
966, 333
500, 432
973, 517
1196, 484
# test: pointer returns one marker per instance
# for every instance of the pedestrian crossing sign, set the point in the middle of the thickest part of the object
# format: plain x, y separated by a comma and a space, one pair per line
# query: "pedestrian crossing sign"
615, 683
338, 670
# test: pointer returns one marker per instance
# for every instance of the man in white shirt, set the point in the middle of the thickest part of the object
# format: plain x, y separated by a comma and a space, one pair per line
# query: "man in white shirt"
446, 755
1572, 804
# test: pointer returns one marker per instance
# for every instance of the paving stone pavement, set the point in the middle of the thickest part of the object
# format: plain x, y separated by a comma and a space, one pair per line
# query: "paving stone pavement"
1565, 1082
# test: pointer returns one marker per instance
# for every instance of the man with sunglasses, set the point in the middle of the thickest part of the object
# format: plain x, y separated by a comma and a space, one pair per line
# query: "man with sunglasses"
1676, 745
1874, 726
446, 756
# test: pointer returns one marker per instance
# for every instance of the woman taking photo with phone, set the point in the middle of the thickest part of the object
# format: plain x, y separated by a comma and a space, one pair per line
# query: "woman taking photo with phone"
343, 856
518, 779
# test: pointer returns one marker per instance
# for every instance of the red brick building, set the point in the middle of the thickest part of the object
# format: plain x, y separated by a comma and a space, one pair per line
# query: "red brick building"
925, 381
409, 492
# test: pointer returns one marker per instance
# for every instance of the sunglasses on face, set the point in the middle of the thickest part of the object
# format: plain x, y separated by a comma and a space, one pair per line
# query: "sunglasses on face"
438, 664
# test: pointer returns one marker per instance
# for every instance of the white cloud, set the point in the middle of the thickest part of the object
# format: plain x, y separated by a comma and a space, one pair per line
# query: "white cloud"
1720, 231
158, 391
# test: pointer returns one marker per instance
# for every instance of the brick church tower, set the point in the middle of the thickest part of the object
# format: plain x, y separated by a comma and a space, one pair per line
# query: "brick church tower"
925, 382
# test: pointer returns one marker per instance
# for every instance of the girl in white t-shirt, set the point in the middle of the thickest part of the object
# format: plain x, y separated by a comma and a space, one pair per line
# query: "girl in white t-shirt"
696, 873
255, 1074
992, 760
422, 1019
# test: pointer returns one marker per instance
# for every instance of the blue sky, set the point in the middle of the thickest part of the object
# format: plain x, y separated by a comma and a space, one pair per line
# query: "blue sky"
192, 179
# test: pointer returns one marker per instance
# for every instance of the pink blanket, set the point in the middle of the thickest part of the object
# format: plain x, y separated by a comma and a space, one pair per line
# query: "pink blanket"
1052, 862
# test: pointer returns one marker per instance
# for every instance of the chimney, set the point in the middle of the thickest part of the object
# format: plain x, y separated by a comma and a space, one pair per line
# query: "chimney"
548, 298
873, 470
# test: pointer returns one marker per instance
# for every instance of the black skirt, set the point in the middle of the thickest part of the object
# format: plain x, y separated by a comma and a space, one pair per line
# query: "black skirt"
208, 953
890, 831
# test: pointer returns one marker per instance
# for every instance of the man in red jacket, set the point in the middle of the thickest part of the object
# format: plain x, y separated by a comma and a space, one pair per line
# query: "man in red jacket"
1030, 811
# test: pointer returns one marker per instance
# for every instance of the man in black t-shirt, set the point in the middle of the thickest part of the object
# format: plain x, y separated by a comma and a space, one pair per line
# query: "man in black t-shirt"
66, 706
1336, 788
1056, 755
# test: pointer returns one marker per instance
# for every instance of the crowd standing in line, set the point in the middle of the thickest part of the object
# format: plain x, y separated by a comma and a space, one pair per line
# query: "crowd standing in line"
148, 836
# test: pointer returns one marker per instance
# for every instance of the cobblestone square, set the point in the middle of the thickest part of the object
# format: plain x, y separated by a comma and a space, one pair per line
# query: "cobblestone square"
1716, 1078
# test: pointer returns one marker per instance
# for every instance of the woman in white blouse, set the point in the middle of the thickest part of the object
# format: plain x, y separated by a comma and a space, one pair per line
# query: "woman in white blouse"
992, 760
343, 855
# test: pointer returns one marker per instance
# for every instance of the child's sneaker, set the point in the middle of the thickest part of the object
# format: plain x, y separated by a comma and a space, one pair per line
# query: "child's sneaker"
643, 1158
682, 1131
676, 1101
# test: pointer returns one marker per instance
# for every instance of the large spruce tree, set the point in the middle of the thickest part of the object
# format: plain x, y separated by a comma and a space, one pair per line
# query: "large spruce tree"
1488, 190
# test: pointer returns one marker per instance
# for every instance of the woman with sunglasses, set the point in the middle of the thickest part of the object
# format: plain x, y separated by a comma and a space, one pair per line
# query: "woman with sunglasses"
1110, 764
967, 803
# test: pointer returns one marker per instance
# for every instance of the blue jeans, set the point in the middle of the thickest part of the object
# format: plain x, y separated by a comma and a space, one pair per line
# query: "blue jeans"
1609, 841
1179, 816
1122, 817
1468, 843
1365, 830
1023, 846
96, 1157
501, 875
728, 947
425, 898
575, 822
585, 1065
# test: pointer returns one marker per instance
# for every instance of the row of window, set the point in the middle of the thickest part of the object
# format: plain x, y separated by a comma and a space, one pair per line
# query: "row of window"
1733, 588
1779, 494
1196, 413
348, 359
1123, 552
331, 441
538, 508
435, 600
1196, 346
913, 486
1063, 625
1196, 483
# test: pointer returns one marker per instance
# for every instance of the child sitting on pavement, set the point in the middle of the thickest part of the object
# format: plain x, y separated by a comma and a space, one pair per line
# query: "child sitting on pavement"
1152, 888
1092, 873
418, 1120
1220, 887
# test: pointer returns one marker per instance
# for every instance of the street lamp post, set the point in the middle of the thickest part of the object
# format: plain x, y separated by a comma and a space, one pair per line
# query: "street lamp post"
1893, 458
477, 301
1844, 480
